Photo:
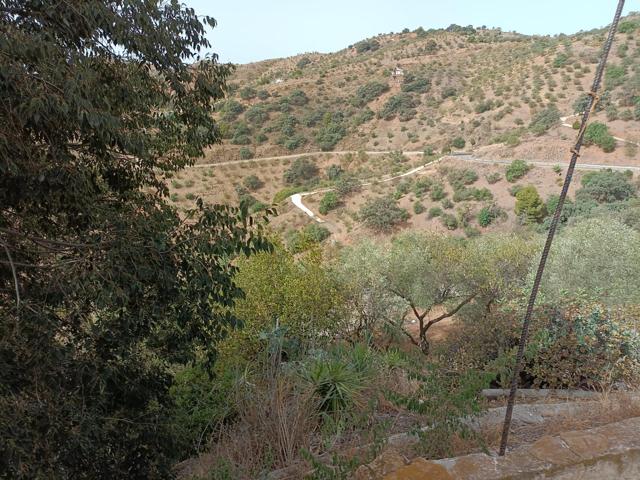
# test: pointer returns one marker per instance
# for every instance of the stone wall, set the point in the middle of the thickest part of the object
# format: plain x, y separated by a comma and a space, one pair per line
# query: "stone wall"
608, 452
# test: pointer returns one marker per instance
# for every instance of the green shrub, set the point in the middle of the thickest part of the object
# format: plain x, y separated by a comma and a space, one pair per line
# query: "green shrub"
422, 186
298, 98
257, 114
458, 142
415, 83
301, 171
614, 76
382, 214
285, 193
347, 184
231, 109
487, 215
402, 105
246, 153
458, 178
544, 120
303, 62
333, 172
492, 178
299, 241
418, 208
598, 133
466, 194
434, 212
331, 132
529, 205
248, 93
370, 45
368, 92
437, 192
449, 221
329, 201
516, 170
252, 183
606, 186
447, 204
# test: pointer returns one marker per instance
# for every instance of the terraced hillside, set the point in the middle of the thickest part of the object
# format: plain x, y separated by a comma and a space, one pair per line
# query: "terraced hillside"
503, 96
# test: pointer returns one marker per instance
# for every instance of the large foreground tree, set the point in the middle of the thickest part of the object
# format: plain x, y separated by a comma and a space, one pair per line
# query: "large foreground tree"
102, 284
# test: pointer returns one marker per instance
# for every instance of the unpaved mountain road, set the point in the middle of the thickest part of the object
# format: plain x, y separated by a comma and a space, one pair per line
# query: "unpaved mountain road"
296, 199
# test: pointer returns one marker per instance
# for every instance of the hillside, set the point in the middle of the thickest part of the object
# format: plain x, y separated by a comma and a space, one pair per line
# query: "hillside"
418, 96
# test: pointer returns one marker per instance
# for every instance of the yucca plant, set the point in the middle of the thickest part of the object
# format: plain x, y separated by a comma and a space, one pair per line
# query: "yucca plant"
336, 382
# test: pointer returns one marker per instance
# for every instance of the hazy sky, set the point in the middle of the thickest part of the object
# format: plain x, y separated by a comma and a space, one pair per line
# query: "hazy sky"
250, 30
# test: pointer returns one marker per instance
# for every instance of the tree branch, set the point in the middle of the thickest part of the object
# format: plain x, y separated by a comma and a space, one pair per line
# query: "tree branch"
451, 312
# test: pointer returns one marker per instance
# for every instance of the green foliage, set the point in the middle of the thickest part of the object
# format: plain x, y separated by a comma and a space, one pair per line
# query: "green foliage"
334, 172
449, 221
603, 273
606, 186
246, 153
257, 114
458, 142
364, 46
444, 400
331, 132
422, 186
120, 287
466, 194
330, 201
487, 215
415, 83
303, 62
544, 120
402, 105
614, 76
285, 193
560, 60
369, 92
418, 208
231, 109
434, 212
516, 170
597, 133
382, 214
252, 182
302, 171
305, 239
438, 192
529, 205
459, 177
492, 178
346, 185
248, 93
298, 98
587, 346
485, 106
581, 104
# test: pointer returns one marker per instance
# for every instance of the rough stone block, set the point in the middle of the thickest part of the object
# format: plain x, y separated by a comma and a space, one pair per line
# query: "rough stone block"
420, 469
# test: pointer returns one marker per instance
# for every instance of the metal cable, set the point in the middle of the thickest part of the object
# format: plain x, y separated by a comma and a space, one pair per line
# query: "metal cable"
593, 98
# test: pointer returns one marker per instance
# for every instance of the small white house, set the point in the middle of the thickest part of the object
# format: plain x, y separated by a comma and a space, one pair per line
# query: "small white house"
397, 74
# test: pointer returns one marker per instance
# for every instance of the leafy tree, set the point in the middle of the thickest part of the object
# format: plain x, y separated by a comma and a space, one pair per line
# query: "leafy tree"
437, 276
382, 214
516, 170
330, 201
598, 133
402, 105
487, 215
301, 171
544, 120
415, 83
578, 263
529, 205
364, 46
368, 92
103, 285
606, 186
309, 237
